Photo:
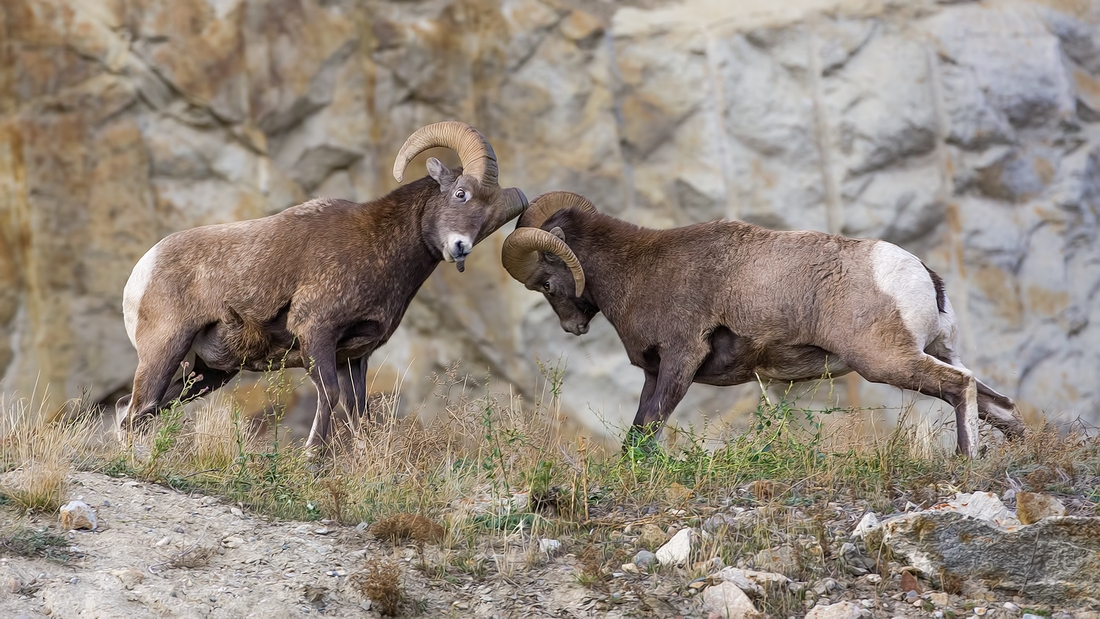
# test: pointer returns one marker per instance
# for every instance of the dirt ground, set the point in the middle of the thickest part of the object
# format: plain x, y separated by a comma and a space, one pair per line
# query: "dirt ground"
258, 568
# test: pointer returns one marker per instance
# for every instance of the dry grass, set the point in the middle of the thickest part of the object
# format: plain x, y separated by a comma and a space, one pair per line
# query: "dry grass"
400, 527
38, 449
380, 581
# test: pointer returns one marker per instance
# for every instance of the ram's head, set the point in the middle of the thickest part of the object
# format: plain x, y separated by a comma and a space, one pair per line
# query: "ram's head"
470, 205
542, 260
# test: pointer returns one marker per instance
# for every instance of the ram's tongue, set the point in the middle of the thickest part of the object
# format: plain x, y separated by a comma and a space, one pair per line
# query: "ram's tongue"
461, 264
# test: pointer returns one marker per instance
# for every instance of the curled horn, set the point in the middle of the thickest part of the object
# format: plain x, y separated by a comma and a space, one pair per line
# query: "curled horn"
516, 201
520, 254
549, 203
478, 158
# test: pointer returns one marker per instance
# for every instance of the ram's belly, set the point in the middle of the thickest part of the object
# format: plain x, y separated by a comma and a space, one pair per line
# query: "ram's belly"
799, 363
734, 360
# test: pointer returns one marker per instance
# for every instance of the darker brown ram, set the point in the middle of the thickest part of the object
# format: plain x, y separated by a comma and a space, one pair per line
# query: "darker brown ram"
320, 285
727, 302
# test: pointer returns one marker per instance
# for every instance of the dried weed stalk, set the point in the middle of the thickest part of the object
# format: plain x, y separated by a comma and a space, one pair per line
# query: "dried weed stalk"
380, 580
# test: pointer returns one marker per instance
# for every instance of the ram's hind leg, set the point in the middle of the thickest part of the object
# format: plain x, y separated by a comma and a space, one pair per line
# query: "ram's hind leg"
996, 409
925, 374
319, 354
157, 364
1000, 412
205, 379
353, 388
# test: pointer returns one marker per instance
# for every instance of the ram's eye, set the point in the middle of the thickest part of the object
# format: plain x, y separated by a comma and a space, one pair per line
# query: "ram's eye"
460, 194
546, 286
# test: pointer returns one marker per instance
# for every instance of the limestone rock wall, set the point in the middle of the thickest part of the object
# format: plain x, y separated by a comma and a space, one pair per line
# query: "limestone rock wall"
968, 133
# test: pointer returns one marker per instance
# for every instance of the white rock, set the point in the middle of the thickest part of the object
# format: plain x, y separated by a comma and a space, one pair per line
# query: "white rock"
981, 505
549, 546
729, 602
739, 578
841, 610
78, 515
677, 550
868, 522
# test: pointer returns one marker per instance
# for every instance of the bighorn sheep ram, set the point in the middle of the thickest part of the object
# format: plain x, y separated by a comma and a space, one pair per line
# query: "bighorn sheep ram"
320, 285
726, 302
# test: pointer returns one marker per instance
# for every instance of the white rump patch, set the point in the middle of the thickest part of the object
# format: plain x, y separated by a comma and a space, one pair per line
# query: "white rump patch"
901, 275
135, 290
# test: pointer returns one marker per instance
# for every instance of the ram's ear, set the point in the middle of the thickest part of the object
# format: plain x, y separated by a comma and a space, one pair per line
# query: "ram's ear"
441, 173
558, 233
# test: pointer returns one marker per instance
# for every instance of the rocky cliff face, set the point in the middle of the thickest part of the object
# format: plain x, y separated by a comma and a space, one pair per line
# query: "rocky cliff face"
968, 133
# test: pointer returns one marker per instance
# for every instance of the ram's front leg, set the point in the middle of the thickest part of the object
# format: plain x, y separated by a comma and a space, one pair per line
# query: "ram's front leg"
660, 396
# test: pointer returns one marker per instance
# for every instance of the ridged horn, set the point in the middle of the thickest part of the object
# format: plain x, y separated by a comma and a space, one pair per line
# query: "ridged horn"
478, 158
549, 203
516, 202
520, 254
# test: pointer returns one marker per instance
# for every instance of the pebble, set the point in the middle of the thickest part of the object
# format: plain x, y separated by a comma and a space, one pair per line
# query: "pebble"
630, 568
1012, 608
178, 529
232, 542
1031, 616
163, 542
549, 546
362, 526
321, 531
236, 511
874, 579
979, 610
644, 559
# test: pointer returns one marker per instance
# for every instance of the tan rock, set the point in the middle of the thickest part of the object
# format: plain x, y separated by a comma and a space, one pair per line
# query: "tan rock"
652, 537
580, 25
130, 578
1031, 507
125, 121
78, 515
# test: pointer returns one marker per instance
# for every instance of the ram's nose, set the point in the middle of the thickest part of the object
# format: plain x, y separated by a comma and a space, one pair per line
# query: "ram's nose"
458, 247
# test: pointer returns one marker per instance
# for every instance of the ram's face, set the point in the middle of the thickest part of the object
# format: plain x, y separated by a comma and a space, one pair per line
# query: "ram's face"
555, 281
467, 212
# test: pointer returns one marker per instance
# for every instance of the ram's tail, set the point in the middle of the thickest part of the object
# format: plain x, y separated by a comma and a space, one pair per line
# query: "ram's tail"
937, 281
